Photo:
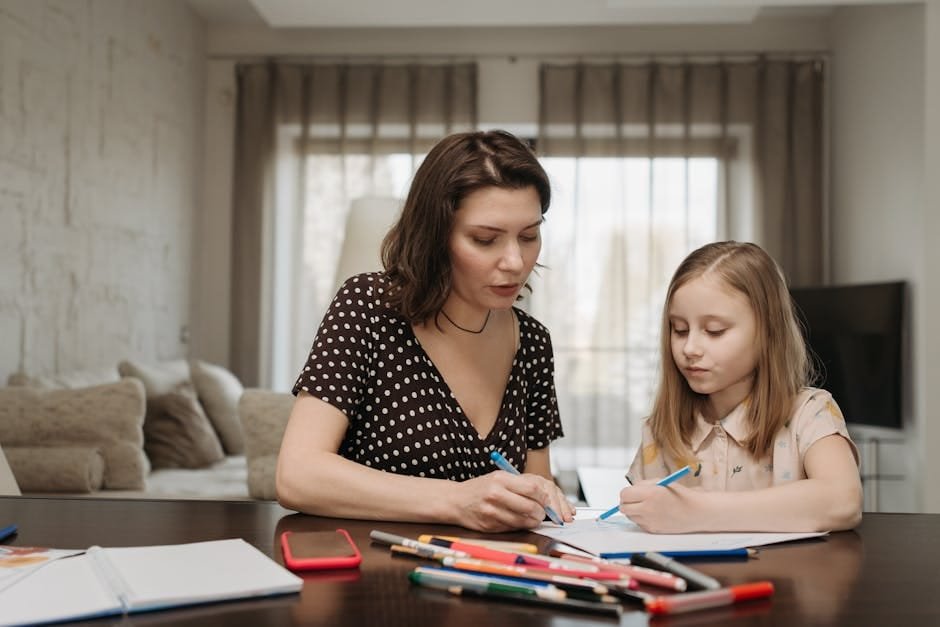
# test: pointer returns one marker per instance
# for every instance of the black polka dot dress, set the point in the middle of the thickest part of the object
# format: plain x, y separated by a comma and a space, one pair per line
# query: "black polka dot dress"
403, 418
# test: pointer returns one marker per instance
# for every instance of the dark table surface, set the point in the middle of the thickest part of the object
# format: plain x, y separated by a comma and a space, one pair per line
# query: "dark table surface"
886, 572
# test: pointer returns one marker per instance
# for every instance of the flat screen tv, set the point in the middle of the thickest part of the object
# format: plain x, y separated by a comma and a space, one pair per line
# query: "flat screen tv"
856, 334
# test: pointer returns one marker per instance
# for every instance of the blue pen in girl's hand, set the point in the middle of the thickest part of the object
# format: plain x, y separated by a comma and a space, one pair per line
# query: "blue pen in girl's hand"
503, 464
663, 482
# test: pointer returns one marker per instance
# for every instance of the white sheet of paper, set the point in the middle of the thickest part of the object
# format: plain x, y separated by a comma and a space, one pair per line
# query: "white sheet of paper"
601, 486
619, 534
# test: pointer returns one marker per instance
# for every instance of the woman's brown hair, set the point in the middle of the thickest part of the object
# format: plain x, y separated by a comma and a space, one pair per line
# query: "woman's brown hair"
415, 251
783, 367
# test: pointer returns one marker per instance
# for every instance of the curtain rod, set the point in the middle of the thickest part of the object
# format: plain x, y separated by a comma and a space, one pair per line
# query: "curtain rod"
557, 56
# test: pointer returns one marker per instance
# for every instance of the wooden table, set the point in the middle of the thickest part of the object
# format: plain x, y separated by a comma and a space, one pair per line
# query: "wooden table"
887, 572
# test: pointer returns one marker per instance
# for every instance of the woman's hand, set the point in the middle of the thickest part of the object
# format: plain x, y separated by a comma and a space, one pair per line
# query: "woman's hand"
560, 504
661, 509
501, 501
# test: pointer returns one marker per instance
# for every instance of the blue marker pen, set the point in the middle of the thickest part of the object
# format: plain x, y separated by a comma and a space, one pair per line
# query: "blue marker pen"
663, 482
501, 462
8, 531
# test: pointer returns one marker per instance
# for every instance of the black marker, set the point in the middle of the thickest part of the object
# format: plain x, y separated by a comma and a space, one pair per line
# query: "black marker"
697, 580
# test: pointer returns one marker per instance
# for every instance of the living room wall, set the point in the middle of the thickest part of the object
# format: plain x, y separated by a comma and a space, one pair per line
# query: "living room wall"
100, 159
885, 144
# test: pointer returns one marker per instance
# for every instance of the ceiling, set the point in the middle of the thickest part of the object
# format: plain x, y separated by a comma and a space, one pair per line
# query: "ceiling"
444, 13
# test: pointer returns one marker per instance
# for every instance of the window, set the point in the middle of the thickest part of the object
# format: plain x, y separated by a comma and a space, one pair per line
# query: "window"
616, 230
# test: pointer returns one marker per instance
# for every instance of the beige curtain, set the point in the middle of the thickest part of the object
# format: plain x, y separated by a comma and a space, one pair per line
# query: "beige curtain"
764, 117
652, 159
310, 139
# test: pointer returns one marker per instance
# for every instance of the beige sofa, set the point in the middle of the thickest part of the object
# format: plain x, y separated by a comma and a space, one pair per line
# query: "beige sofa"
170, 430
75, 440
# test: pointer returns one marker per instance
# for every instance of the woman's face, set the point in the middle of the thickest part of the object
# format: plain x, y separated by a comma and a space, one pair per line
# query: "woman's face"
494, 245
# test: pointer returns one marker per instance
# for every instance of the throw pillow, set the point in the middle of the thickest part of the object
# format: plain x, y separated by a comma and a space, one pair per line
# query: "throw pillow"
8, 486
159, 378
106, 417
57, 469
177, 432
71, 380
264, 416
219, 391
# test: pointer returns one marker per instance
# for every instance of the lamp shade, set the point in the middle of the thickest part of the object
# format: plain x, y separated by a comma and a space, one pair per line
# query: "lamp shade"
368, 221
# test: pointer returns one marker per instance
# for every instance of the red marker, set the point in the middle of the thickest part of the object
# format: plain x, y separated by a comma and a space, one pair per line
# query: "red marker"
689, 601
478, 551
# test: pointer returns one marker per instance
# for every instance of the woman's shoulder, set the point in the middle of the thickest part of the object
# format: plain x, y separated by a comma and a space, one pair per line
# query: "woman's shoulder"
529, 325
367, 289
367, 283
534, 338
363, 295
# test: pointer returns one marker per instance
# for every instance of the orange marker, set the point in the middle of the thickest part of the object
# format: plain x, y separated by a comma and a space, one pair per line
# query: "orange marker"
690, 601
512, 570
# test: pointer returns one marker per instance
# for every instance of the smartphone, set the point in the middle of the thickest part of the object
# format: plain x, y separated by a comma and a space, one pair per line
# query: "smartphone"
319, 550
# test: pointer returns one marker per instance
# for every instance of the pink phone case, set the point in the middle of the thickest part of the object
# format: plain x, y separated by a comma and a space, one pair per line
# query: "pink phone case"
313, 550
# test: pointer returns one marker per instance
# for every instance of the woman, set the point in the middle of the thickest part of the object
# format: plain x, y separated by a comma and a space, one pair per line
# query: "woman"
419, 372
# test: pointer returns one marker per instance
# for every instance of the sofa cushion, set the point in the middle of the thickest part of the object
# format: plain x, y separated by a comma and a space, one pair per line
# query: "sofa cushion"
263, 415
108, 417
177, 432
71, 380
158, 379
8, 485
219, 391
57, 469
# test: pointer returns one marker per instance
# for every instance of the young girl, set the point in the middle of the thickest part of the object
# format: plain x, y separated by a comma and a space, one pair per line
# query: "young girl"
767, 452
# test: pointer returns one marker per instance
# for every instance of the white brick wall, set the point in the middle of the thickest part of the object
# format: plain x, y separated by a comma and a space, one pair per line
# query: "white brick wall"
101, 105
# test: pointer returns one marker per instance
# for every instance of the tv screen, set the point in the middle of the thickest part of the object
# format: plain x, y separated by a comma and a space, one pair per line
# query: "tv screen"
855, 332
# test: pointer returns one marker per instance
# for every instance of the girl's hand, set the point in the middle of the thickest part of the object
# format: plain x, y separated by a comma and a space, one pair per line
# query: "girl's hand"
661, 509
501, 501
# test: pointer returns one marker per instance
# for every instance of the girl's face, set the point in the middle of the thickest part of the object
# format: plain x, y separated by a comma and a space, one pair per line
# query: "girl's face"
714, 341
494, 245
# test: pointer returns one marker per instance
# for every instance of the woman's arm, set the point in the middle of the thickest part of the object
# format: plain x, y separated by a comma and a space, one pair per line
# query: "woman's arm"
313, 478
829, 499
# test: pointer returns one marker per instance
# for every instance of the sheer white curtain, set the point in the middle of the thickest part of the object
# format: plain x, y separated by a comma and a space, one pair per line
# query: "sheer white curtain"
616, 230
649, 161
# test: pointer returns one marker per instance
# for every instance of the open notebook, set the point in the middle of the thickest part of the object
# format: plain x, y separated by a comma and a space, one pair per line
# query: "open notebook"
619, 535
114, 581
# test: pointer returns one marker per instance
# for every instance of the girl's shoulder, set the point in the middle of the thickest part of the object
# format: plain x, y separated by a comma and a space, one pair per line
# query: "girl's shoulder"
810, 402
810, 395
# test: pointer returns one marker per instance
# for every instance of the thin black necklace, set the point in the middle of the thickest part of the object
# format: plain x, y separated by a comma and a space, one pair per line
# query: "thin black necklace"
464, 329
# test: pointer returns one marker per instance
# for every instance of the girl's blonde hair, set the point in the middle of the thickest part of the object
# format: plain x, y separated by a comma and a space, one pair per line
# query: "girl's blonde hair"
783, 366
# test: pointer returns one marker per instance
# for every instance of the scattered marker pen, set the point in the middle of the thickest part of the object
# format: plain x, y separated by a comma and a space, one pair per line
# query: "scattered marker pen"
392, 539
7, 531
705, 554
500, 545
689, 601
503, 464
696, 579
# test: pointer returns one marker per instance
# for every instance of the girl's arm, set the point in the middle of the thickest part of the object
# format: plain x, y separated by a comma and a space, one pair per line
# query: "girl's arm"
313, 478
829, 499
